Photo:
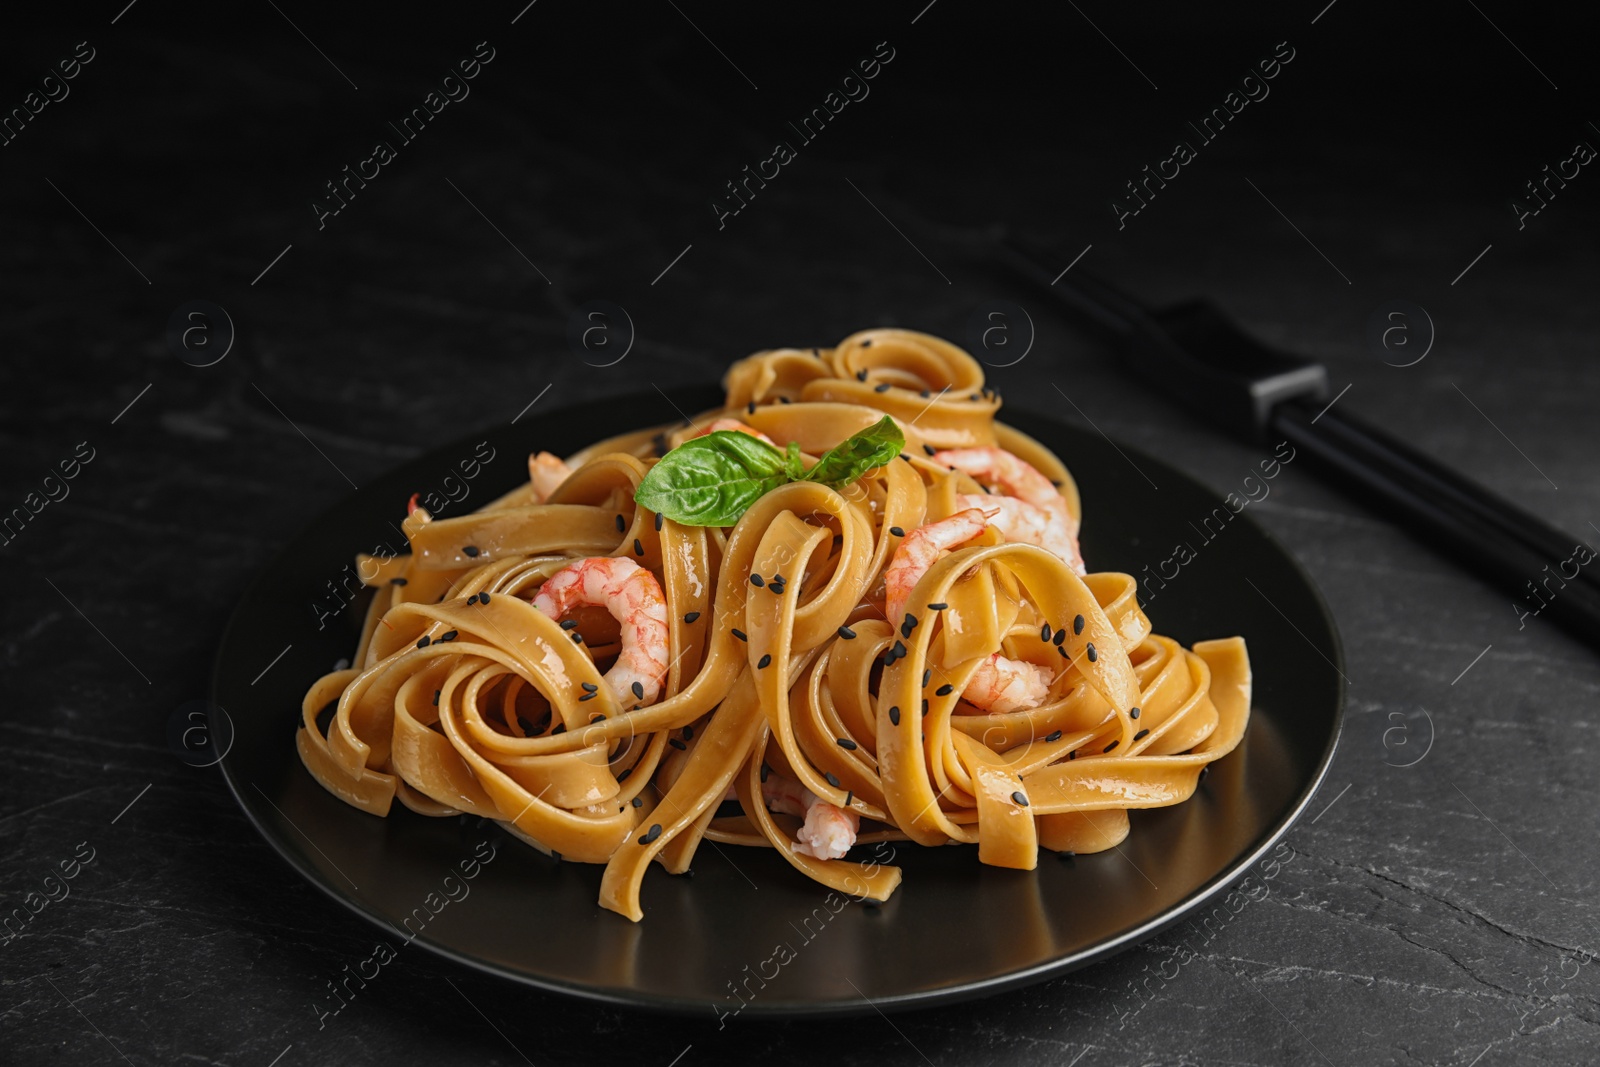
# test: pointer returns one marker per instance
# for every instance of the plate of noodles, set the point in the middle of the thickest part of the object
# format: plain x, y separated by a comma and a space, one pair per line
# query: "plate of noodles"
840, 694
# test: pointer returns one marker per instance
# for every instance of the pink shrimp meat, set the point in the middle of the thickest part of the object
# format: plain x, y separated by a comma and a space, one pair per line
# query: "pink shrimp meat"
999, 684
1055, 530
547, 471
633, 597
738, 427
829, 830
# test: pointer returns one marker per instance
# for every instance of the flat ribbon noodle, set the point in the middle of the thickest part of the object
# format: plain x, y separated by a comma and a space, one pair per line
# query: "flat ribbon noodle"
463, 697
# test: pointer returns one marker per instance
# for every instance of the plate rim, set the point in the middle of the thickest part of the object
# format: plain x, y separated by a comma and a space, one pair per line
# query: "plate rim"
659, 1004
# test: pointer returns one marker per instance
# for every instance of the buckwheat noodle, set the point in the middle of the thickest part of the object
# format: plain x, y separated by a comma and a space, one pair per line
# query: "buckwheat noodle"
486, 705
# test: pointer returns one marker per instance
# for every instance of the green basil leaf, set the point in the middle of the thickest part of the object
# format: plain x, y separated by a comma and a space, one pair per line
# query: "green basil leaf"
712, 480
858, 454
793, 466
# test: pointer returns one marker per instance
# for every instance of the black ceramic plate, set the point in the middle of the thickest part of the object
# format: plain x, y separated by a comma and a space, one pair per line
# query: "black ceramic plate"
533, 920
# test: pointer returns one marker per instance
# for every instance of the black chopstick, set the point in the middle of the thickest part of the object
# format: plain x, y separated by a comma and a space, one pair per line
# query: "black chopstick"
1466, 495
1206, 363
1441, 520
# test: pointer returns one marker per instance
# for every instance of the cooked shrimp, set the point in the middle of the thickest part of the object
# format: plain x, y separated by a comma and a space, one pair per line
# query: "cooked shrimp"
1018, 478
634, 598
737, 426
829, 830
920, 550
1025, 523
999, 684
547, 472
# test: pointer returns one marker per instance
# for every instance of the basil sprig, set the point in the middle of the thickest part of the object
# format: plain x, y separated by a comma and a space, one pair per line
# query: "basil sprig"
713, 480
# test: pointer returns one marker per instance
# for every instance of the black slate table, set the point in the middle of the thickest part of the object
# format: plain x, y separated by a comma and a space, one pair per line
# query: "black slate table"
1437, 903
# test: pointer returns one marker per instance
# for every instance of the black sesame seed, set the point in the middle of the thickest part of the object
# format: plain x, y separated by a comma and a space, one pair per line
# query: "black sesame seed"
473, 599
867, 343
1064, 653
620, 524
940, 606
577, 638
449, 635
764, 662
898, 650
436, 694
693, 615
894, 716
660, 518
929, 449
675, 743
944, 690
424, 641
1054, 735
1133, 713
847, 633
738, 633
861, 375
849, 798
688, 733
397, 581
883, 388
638, 690
974, 396
471, 550
897, 531
752, 407
587, 696
637, 802
845, 743
638, 547
765, 770
783, 400
1044, 632
1090, 652
755, 579
483, 598
833, 781
925, 394
1061, 635
1141, 735
927, 676
1077, 624
654, 832
924, 707
1112, 745
568, 624
1073, 754
1020, 797
623, 777
597, 718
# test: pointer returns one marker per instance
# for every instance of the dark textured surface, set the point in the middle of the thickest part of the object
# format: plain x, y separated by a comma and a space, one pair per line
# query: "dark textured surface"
1437, 913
